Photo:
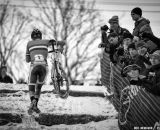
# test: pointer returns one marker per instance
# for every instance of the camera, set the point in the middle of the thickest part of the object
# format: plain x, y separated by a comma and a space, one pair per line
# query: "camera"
104, 28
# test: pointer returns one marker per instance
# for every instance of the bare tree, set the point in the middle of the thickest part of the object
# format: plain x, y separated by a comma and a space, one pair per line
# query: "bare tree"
12, 26
77, 23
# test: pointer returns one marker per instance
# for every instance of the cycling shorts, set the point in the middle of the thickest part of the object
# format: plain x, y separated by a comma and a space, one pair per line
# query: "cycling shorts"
37, 74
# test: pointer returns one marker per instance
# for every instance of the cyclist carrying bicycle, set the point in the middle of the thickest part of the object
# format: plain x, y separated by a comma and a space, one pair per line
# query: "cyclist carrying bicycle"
36, 54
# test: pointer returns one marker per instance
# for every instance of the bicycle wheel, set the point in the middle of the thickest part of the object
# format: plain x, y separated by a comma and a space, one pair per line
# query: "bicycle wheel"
63, 84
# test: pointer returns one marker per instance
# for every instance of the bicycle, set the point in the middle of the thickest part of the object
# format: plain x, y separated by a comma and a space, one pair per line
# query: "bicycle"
58, 75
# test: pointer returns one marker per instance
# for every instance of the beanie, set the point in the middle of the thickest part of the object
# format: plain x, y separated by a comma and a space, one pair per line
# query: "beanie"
127, 35
114, 19
137, 10
113, 34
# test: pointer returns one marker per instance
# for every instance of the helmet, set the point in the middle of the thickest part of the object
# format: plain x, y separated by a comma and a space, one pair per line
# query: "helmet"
36, 33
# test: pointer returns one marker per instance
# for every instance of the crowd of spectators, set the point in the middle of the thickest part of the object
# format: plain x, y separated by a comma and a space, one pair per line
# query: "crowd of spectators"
138, 53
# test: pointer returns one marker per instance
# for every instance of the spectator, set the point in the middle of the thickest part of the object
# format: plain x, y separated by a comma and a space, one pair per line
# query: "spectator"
115, 27
132, 72
4, 78
153, 38
113, 40
142, 49
127, 40
132, 52
104, 41
151, 82
122, 52
141, 25
137, 59
143, 54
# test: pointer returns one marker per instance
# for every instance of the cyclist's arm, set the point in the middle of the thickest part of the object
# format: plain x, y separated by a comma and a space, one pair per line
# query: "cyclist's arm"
28, 58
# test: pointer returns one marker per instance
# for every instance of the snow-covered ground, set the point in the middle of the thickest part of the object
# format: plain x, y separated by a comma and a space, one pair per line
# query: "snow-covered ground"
49, 103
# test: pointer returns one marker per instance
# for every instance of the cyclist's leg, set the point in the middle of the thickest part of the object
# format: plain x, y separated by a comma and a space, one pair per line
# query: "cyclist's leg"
31, 84
41, 79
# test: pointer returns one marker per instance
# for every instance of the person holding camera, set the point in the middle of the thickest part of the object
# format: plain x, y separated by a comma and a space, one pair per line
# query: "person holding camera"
115, 27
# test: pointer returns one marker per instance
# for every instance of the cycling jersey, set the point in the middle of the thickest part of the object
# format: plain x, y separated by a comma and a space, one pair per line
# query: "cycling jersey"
36, 53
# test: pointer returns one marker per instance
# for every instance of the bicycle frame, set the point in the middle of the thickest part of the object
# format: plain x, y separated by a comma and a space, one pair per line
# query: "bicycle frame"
55, 63
58, 75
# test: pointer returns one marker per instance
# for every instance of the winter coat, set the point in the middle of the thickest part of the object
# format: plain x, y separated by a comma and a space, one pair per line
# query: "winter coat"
142, 25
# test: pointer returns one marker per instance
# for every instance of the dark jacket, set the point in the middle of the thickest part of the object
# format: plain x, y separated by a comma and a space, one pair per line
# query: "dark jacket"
152, 82
112, 52
6, 79
153, 38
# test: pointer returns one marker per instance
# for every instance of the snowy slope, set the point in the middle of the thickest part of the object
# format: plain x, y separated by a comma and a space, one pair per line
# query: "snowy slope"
49, 103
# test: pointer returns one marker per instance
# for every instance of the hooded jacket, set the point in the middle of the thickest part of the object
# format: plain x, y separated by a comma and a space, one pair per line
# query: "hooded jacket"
142, 25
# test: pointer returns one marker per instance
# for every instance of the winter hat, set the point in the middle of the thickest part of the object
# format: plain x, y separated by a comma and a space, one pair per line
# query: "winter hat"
127, 35
112, 35
114, 19
137, 10
129, 68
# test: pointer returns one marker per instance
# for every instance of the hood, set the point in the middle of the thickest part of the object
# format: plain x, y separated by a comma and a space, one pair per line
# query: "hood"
143, 20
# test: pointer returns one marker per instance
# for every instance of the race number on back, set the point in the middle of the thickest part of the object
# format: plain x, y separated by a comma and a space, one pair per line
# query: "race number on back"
39, 58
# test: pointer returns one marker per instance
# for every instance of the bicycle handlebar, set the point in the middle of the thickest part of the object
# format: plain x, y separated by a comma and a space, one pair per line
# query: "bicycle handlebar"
55, 50
50, 51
